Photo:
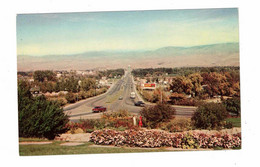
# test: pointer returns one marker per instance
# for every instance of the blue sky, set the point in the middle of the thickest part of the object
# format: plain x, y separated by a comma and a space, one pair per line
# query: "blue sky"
69, 33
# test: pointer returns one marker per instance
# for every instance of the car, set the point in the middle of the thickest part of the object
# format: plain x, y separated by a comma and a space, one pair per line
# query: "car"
139, 103
132, 95
120, 98
99, 109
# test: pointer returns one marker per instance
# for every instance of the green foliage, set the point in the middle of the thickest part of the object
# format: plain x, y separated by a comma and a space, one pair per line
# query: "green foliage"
154, 115
42, 75
102, 90
182, 71
39, 117
209, 116
202, 82
112, 73
118, 114
178, 125
88, 84
61, 101
148, 96
70, 97
71, 84
181, 84
233, 105
188, 142
82, 94
196, 80
236, 122
154, 96
228, 125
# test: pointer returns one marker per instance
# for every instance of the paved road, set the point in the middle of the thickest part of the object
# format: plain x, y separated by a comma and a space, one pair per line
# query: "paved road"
123, 87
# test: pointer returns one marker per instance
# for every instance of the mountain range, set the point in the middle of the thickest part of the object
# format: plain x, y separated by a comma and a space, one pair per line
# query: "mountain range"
223, 54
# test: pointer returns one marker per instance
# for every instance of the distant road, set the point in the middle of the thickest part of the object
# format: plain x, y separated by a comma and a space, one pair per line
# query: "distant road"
123, 87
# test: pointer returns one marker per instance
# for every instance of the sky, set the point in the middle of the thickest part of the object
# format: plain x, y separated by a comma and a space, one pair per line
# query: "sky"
72, 33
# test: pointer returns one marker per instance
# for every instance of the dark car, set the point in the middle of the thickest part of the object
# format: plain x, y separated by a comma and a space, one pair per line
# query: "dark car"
99, 109
139, 103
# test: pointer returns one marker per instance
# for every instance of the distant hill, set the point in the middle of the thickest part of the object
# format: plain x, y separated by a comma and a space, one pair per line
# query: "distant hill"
225, 54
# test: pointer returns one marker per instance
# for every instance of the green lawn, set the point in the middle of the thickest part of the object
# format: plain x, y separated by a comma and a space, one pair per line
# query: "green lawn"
235, 121
56, 149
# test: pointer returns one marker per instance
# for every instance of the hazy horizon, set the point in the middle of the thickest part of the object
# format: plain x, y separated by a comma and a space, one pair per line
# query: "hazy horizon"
127, 51
75, 33
226, 54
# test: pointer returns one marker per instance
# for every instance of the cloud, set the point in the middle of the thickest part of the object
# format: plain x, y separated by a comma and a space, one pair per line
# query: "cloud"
79, 32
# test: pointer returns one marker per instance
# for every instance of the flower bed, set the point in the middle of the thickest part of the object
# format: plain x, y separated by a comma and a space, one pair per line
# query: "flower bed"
152, 139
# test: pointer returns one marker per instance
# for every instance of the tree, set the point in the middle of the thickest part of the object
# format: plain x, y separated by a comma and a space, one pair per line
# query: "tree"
209, 116
233, 105
70, 97
154, 115
181, 84
216, 83
71, 84
39, 117
88, 84
159, 95
42, 75
148, 96
196, 81
175, 97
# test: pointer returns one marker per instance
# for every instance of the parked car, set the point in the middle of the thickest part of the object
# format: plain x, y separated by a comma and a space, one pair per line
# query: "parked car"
120, 98
99, 109
139, 103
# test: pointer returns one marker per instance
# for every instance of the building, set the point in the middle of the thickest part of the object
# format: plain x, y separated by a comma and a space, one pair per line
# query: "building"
35, 91
148, 86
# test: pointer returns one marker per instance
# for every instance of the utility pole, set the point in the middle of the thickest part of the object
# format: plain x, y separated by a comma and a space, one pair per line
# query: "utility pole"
161, 95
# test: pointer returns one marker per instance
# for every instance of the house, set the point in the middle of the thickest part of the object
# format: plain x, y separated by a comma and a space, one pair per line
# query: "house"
35, 91
31, 80
58, 75
103, 82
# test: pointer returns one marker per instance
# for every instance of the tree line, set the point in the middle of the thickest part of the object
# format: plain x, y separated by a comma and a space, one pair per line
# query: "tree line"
183, 71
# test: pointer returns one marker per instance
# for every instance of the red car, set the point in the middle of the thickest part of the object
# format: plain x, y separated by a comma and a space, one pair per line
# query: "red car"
99, 109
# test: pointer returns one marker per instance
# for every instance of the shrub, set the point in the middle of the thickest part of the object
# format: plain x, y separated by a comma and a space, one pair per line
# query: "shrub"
209, 116
82, 95
61, 101
102, 90
87, 124
70, 97
178, 125
39, 117
79, 130
233, 105
100, 124
148, 96
189, 142
228, 125
118, 114
186, 102
154, 115
121, 118
91, 93
123, 123
115, 120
